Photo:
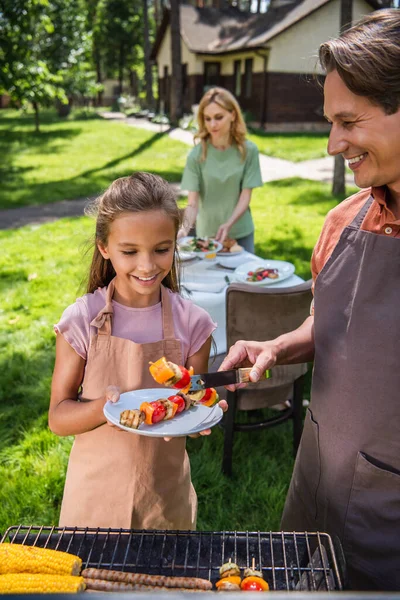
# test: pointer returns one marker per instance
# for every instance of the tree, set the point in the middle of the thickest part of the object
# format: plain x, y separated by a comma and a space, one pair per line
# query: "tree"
176, 87
118, 32
147, 63
339, 170
41, 41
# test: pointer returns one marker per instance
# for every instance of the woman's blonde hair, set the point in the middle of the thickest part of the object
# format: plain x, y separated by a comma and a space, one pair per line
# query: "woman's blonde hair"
137, 193
227, 101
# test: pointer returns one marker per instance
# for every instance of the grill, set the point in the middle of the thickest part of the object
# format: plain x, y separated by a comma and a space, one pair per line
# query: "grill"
289, 561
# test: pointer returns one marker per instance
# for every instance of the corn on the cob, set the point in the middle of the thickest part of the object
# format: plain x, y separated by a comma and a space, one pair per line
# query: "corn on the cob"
17, 558
29, 583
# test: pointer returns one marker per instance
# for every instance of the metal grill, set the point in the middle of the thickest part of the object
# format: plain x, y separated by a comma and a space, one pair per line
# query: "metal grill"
289, 561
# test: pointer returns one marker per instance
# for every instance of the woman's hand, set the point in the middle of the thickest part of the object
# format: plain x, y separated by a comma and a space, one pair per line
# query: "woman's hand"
259, 355
222, 233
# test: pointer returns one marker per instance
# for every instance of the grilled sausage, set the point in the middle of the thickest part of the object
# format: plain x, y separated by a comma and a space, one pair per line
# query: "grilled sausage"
150, 580
101, 585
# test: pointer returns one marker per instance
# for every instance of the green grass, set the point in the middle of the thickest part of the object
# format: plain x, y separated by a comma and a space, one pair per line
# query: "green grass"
41, 269
76, 157
291, 146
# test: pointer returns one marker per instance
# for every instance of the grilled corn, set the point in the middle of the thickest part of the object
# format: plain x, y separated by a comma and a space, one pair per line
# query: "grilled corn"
29, 583
16, 558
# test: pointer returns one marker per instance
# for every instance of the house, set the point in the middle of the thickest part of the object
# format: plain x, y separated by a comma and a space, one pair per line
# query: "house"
267, 60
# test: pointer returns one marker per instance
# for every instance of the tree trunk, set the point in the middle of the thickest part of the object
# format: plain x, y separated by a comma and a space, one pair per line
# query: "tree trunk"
258, 6
37, 122
176, 78
147, 66
339, 182
97, 62
121, 64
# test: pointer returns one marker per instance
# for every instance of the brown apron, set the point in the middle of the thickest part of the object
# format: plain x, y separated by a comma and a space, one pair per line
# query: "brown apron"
346, 479
120, 479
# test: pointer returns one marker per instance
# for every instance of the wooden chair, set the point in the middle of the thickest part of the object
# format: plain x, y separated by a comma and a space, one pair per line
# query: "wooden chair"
259, 314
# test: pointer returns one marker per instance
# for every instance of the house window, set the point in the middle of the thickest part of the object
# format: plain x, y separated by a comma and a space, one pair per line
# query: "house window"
237, 77
211, 74
248, 77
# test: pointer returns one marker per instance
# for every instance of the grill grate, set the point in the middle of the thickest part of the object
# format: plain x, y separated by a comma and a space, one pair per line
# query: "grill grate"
289, 561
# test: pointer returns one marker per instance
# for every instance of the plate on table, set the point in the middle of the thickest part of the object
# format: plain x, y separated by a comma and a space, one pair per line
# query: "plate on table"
189, 421
283, 270
190, 245
184, 256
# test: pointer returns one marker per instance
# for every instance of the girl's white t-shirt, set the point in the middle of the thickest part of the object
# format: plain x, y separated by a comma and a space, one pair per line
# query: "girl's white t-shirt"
192, 324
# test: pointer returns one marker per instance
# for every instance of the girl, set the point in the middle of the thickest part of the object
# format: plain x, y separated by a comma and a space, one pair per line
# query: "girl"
220, 173
131, 314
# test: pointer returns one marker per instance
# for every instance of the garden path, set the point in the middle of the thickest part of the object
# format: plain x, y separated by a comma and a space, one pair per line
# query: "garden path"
320, 169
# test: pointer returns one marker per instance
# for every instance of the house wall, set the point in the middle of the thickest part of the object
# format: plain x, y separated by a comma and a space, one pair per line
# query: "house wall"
296, 49
289, 86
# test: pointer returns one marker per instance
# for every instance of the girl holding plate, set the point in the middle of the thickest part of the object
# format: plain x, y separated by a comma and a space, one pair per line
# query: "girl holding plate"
130, 315
220, 173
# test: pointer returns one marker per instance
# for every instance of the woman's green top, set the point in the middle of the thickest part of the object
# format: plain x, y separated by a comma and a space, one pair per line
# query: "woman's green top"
219, 180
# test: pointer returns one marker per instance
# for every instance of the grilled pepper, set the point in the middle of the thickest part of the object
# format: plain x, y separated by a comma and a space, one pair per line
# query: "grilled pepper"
207, 397
254, 584
154, 411
179, 401
171, 375
233, 579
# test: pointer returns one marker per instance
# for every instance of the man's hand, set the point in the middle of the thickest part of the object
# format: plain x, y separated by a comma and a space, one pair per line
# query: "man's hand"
259, 355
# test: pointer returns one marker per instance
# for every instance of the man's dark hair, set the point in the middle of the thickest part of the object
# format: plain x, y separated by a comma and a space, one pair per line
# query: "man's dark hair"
367, 58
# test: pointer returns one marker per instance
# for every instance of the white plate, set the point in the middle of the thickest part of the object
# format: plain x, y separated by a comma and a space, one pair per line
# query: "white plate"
185, 240
190, 421
184, 256
231, 261
285, 270
228, 254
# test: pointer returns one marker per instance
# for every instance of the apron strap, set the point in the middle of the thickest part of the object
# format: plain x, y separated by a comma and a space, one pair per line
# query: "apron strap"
103, 321
167, 317
360, 216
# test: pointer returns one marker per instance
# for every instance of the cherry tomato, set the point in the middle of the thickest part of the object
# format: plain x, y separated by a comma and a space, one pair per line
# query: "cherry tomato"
159, 411
254, 584
184, 381
179, 401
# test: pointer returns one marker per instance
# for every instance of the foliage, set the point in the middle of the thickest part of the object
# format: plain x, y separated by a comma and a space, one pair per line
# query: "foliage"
118, 32
44, 51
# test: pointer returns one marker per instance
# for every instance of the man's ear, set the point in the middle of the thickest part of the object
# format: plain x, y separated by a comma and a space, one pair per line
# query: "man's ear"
103, 250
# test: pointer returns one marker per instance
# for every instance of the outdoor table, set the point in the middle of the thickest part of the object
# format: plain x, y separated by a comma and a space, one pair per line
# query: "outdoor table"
205, 283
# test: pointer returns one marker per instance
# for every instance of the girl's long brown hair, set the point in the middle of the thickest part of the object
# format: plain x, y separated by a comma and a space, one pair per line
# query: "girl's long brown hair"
225, 100
137, 193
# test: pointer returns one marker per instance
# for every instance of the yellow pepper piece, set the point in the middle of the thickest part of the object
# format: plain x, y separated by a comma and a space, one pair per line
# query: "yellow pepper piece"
40, 583
231, 579
161, 371
16, 558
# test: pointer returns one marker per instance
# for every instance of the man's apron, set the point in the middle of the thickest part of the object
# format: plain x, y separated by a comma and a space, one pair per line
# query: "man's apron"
346, 479
120, 479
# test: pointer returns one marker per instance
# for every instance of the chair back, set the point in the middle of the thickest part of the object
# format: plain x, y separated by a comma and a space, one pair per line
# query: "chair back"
261, 313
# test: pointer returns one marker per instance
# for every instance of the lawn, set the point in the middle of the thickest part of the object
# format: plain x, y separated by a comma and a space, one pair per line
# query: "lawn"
42, 268
77, 157
291, 146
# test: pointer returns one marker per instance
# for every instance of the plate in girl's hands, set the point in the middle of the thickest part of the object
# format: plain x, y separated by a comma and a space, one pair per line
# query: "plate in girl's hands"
188, 422
198, 246
280, 270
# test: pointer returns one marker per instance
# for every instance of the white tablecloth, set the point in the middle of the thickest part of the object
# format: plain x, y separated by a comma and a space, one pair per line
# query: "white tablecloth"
204, 273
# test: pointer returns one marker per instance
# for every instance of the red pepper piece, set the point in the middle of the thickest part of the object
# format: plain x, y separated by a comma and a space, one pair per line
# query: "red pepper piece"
185, 379
179, 401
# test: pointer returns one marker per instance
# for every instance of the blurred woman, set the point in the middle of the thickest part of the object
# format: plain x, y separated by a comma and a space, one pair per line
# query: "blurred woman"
221, 172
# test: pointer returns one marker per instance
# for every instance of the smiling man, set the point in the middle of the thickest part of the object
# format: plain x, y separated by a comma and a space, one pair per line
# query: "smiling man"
346, 479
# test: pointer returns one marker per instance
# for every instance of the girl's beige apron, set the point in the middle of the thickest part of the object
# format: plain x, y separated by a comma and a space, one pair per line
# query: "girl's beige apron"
346, 480
120, 479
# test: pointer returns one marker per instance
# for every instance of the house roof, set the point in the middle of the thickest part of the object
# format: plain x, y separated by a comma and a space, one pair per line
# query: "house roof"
218, 31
